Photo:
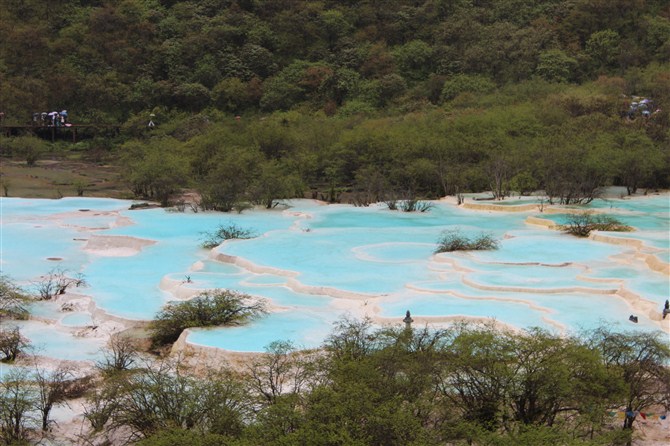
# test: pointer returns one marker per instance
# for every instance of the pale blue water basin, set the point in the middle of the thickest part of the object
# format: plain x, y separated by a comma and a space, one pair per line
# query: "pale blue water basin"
265, 279
513, 313
45, 310
650, 204
157, 224
24, 207
655, 287
77, 320
206, 280
577, 311
535, 277
96, 222
275, 292
30, 250
663, 256
328, 257
653, 239
552, 249
516, 201
53, 341
383, 255
209, 266
637, 221
616, 273
560, 311
303, 329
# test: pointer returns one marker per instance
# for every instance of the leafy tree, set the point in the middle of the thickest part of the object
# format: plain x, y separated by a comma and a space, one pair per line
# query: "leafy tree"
232, 95
280, 372
284, 90
636, 158
413, 59
184, 437
53, 388
641, 362
371, 186
227, 183
12, 299
192, 96
554, 375
155, 169
524, 183
28, 147
56, 282
102, 402
581, 224
17, 401
603, 47
462, 83
121, 354
574, 168
478, 373
274, 182
11, 343
161, 397
556, 66
335, 26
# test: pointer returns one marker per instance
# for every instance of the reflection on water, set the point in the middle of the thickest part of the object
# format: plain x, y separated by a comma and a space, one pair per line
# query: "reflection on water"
314, 263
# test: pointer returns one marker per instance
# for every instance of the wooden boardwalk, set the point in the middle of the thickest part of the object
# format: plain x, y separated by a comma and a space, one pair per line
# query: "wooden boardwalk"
17, 129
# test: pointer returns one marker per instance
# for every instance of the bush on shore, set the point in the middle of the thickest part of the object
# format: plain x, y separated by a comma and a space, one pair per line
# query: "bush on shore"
583, 223
214, 238
454, 240
210, 308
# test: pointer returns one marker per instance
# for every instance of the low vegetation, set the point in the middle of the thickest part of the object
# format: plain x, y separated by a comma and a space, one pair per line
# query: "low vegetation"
409, 205
12, 343
475, 384
210, 308
57, 281
13, 300
468, 384
454, 240
581, 224
222, 233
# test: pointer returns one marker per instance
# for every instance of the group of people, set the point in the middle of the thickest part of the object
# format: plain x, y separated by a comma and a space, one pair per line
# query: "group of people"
640, 107
53, 119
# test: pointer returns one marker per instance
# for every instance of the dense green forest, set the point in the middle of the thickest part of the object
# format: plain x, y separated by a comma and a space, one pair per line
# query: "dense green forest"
257, 100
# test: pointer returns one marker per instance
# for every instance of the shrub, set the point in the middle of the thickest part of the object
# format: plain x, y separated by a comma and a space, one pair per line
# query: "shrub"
210, 308
11, 343
453, 240
223, 233
413, 205
12, 300
463, 83
583, 223
121, 353
29, 147
56, 281
409, 205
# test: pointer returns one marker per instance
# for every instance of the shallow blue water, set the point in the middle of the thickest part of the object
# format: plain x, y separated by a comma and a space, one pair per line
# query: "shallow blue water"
317, 254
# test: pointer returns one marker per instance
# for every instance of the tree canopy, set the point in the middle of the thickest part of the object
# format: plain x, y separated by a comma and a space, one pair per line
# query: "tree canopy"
258, 100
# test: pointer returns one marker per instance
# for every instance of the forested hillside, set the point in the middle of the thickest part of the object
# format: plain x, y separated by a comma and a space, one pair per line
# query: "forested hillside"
376, 98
